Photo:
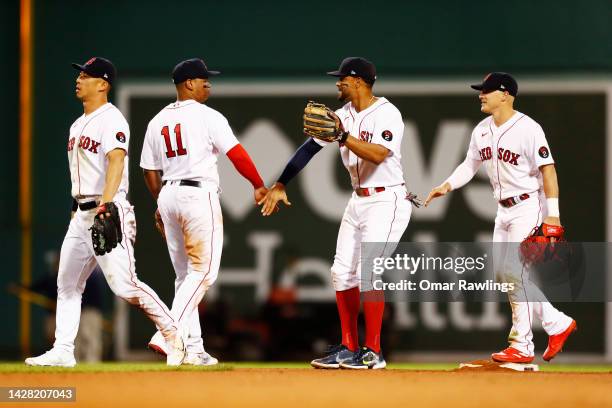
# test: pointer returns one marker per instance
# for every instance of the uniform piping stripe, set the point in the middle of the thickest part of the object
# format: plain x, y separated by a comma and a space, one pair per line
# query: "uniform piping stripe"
496, 150
359, 135
389, 234
178, 107
212, 248
523, 272
131, 259
391, 226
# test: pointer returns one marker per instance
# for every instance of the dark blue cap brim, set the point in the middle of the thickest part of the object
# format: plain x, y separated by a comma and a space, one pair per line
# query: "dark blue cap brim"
477, 87
336, 73
78, 66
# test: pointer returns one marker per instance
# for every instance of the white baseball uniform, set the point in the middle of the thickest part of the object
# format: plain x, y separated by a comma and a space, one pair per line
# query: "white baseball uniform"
183, 141
382, 216
91, 138
512, 155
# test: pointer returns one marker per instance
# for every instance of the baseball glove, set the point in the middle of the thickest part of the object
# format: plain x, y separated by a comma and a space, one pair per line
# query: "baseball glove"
538, 247
322, 123
106, 229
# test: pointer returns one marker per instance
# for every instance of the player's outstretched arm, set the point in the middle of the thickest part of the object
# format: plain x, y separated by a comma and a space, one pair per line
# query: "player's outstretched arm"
245, 166
551, 190
299, 160
460, 177
436, 192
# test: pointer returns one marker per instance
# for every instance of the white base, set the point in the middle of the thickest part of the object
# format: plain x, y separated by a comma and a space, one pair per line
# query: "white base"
521, 367
510, 366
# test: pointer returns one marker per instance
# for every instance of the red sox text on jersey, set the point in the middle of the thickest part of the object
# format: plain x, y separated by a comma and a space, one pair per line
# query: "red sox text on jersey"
504, 155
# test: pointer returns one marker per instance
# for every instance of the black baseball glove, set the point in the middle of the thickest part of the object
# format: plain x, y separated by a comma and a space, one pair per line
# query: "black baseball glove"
106, 229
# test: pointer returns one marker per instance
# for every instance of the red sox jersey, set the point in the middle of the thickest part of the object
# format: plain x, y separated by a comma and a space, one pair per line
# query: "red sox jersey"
511, 154
91, 137
381, 123
184, 140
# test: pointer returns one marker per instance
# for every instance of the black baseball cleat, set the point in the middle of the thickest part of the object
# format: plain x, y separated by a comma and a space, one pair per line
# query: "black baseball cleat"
365, 359
334, 356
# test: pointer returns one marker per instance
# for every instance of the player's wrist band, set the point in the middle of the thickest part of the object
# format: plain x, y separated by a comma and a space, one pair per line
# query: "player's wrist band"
553, 206
343, 138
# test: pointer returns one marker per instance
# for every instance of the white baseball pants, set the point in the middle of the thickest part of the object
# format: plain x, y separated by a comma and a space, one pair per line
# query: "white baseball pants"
194, 233
77, 261
512, 225
379, 218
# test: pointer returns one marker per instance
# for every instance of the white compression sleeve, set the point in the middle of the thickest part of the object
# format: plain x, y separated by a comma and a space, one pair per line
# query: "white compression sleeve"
463, 173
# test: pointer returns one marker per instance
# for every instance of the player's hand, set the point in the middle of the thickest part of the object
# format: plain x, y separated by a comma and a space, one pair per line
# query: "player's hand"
437, 192
101, 212
276, 194
259, 194
553, 221
159, 224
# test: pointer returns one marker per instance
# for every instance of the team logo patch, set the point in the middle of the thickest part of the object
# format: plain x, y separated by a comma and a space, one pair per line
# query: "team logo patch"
120, 137
387, 135
543, 152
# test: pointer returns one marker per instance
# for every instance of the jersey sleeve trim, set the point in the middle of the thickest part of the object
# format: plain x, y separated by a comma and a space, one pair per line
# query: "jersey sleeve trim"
147, 166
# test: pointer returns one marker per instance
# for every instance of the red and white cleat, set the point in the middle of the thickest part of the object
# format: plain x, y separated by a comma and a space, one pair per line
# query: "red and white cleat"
511, 355
556, 341
158, 344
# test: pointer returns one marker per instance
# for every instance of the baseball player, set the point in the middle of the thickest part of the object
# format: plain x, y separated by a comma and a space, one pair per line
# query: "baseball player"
179, 158
378, 211
97, 157
516, 155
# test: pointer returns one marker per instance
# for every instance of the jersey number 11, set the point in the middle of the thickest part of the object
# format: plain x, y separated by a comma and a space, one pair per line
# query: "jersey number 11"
180, 151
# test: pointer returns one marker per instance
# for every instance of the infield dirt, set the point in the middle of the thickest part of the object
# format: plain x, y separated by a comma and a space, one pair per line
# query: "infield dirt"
316, 388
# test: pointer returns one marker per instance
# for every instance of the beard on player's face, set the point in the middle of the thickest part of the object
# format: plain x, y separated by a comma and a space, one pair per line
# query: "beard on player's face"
343, 86
342, 96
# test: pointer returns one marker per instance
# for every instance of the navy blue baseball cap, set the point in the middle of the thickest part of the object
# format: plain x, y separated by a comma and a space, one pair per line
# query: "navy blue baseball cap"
356, 66
498, 81
190, 69
98, 67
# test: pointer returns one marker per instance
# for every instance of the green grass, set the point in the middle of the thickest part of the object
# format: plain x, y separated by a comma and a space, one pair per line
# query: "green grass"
577, 368
107, 368
13, 367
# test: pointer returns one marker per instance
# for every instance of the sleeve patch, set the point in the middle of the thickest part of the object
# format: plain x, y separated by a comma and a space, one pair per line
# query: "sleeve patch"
543, 152
120, 137
387, 135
